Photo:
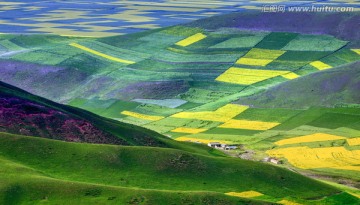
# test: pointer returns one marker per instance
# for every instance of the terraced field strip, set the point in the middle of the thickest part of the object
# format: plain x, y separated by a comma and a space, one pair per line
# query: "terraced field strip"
190, 40
259, 57
245, 194
353, 141
247, 76
10, 45
101, 54
320, 65
142, 116
312, 158
222, 114
309, 138
249, 125
204, 141
188, 130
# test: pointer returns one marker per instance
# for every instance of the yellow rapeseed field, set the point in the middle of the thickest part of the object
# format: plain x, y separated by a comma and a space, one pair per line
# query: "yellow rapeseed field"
222, 114
191, 39
247, 76
239, 79
259, 53
290, 75
287, 202
245, 194
356, 51
101, 54
309, 138
353, 141
320, 65
255, 72
253, 62
259, 57
249, 125
188, 130
204, 141
351, 168
142, 116
311, 158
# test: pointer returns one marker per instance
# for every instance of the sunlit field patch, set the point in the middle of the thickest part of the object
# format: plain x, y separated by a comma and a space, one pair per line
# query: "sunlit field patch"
290, 76
188, 130
309, 138
204, 141
258, 53
246, 76
356, 51
142, 116
245, 194
287, 202
259, 57
222, 114
238, 79
253, 62
190, 40
249, 125
353, 141
350, 168
320, 65
101, 54
311, 158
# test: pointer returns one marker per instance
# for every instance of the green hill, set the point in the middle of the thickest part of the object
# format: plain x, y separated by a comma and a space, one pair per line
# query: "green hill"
98, 173
20, 109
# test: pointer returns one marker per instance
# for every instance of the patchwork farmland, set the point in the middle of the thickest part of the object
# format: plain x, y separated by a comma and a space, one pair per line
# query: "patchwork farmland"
184, 82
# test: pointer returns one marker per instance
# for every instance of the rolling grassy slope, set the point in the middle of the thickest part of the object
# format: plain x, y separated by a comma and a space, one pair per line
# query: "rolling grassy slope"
334, 87
24, 113
98, 173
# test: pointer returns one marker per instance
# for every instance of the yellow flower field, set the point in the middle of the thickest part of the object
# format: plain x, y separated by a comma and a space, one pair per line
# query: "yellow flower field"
190, 40
245, 194
259, 57
250, 76
204, 141
142, 116
353, 141
249, 125
290, 75
351, 168
101, 54
255, 72
311, 158
356, 51
253, 62
238, 79
259, 53
188, 130
286, 202
320, 65
222, 114
309, 138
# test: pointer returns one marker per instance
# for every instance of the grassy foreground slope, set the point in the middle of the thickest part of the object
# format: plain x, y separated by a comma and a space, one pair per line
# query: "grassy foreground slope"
102, 172
23, 185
